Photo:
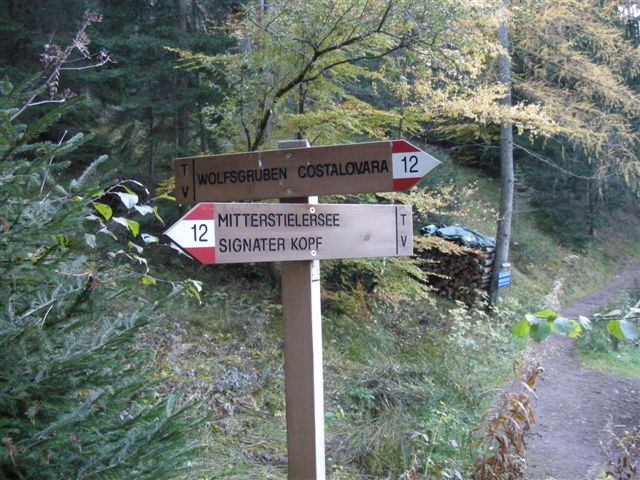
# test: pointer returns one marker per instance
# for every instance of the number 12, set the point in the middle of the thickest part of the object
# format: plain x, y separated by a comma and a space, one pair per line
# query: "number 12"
411, 165
202, 229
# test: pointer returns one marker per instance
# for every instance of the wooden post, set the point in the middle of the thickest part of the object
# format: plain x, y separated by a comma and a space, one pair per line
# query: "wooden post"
303, 360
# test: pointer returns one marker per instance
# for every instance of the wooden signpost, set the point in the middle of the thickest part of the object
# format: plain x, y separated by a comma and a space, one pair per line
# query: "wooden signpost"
277, 232
295, 172
298, 232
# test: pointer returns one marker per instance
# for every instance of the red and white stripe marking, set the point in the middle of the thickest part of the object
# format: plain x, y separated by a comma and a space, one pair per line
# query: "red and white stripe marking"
409, 164
195, 233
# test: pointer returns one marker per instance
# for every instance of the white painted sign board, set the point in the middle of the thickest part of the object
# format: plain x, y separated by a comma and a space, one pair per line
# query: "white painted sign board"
216, 233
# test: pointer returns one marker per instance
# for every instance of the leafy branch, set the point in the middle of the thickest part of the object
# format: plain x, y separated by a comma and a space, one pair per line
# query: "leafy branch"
540, 325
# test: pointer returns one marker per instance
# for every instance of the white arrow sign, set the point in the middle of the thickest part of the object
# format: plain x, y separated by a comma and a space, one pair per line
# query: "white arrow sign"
272, 232
410, 164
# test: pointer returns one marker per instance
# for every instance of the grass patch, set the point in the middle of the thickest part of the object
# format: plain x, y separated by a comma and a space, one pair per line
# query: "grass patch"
624, 362
599, 350
412, 403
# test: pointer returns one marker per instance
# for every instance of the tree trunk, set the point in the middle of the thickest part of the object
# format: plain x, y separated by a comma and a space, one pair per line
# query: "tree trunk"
12, 9
302, 94
403, 102
503, 234
591, 203
204, 144
182, 117
152, 147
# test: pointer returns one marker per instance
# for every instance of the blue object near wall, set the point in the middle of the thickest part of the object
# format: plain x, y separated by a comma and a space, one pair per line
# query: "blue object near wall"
504, 279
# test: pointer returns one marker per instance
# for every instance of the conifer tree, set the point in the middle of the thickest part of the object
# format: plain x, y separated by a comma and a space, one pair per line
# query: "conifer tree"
77, 399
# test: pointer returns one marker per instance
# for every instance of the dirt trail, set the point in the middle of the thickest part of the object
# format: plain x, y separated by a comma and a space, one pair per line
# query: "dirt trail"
574, 402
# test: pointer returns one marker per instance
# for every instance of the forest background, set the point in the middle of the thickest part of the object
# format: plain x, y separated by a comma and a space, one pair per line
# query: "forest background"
105, 376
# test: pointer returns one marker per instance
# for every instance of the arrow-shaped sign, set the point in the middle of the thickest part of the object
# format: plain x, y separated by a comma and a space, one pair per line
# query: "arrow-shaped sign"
271, 232
410, 164
195, 233
339, 169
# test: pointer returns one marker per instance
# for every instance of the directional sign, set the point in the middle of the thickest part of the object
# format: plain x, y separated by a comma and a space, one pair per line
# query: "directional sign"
271, 232
296, 172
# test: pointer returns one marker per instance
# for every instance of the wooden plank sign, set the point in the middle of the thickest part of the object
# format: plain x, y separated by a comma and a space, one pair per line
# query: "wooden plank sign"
215, 233
297, 172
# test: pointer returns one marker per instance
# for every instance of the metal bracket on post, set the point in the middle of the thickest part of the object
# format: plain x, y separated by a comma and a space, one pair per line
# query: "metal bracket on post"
303, 359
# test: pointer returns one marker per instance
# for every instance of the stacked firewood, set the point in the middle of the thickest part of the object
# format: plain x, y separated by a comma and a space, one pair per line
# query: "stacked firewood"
457, 272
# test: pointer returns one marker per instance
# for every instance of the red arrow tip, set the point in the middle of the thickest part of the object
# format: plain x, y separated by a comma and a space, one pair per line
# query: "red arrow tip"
202, 211
206, 256
402, 184
402, 146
